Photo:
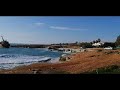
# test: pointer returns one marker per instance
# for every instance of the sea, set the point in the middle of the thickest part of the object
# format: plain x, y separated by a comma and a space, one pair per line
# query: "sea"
14, 57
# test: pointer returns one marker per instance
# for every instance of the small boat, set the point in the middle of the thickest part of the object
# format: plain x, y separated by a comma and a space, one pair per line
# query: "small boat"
4, 43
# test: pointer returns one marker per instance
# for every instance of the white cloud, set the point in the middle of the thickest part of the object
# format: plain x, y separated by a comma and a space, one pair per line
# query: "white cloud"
39, 24
65, 28
59, 27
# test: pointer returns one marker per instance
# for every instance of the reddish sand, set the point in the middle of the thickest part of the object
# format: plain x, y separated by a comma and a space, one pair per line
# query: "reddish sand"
79, 63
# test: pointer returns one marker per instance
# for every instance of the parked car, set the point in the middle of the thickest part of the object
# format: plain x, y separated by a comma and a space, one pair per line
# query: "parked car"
108, 48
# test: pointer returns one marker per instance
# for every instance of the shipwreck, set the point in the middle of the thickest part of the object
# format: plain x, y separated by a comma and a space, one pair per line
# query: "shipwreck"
4, 43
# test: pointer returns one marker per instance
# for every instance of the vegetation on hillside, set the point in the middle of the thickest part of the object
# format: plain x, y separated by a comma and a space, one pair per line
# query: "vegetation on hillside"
117, 43
113, 69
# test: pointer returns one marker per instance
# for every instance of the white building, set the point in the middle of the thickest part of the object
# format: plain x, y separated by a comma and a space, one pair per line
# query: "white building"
97, 44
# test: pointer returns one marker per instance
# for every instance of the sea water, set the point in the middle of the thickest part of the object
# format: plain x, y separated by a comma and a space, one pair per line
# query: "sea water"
13, 57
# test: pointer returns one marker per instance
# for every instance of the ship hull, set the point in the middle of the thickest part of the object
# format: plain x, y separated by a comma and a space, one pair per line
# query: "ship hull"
4, 44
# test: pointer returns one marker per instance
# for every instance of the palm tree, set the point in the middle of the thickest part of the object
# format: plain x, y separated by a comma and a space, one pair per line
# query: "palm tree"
99, 40
94, 41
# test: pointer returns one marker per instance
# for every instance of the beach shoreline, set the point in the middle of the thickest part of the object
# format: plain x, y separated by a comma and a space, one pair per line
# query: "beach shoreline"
39, 63
78, 63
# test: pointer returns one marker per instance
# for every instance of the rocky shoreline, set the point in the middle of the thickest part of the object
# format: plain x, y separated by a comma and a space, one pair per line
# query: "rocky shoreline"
38, 65
78, 63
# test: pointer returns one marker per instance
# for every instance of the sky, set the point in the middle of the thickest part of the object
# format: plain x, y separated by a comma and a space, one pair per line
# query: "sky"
59, 29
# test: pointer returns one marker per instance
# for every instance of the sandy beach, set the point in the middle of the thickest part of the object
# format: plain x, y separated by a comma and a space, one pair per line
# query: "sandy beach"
78, 63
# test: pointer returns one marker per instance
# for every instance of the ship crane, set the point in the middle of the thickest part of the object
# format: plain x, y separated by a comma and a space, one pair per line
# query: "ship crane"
2, 38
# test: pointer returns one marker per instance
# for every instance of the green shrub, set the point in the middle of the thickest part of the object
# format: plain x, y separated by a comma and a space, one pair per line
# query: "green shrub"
114, 69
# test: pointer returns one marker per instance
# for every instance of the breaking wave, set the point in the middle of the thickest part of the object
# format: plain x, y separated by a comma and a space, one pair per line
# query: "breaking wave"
16, 57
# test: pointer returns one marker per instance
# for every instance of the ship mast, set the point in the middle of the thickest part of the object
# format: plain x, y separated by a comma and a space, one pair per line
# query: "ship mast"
2, 38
